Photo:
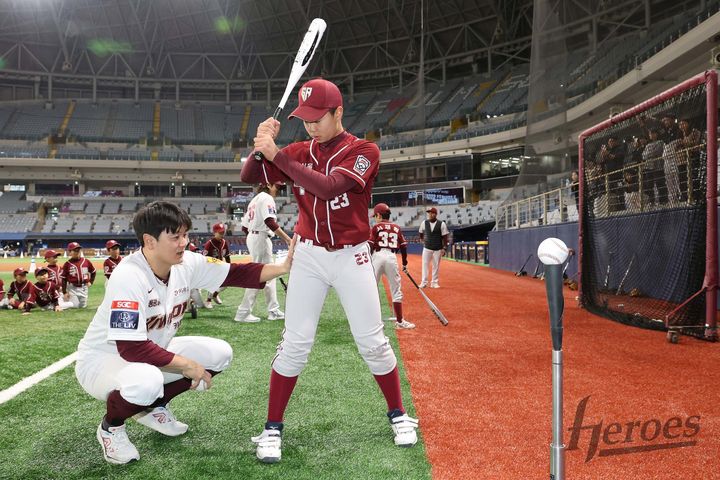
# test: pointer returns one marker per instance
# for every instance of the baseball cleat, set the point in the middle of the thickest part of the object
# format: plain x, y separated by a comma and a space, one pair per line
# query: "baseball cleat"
249, 318
216, 299
404, 324
276, 315
208, 304
423, 285
162, 420
404, 427
269, 444
434, 285
116, 445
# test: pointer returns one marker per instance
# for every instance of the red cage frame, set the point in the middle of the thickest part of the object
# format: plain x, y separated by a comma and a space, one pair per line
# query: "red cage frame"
710, 283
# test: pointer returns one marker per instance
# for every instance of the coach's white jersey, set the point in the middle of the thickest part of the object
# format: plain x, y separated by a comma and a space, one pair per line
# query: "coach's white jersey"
261, 208
138, 306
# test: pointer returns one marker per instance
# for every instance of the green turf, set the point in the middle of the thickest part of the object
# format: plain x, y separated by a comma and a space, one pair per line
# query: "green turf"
335, 423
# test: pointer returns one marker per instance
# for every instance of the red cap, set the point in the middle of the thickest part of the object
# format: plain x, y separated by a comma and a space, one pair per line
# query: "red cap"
315, 98
432, 210
19, 271
40, 271
191, 247
111, 243
218, 227
381, 208
50, 254
73, 245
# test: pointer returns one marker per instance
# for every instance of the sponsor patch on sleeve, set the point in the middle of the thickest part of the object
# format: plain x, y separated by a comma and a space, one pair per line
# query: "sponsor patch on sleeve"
362, 165
213, 260
124, 315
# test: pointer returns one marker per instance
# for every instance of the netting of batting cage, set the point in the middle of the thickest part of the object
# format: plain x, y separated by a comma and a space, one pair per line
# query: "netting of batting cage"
648, 227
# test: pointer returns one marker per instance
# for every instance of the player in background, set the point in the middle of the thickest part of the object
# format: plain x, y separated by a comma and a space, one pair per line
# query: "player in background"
435, 235
110, 263
217, 247
46, 293
24, 290
78, 274
130, 357
386, 239
332, 175
261, 218
54, 270
196, 299
3, 298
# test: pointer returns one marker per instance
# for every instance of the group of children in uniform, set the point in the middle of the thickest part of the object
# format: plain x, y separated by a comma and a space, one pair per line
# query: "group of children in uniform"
57, 288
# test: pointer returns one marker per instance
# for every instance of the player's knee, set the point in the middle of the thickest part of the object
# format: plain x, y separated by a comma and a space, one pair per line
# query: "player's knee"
221, 354
291, 359
140, 383
380, 358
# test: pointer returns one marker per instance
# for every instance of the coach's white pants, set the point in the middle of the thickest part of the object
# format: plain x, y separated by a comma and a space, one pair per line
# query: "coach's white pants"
100, 373
78, 296
349, 271
385, 263
260, 247
434, 257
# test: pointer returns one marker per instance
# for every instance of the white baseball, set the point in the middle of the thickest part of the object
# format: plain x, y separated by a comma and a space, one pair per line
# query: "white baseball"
552, 251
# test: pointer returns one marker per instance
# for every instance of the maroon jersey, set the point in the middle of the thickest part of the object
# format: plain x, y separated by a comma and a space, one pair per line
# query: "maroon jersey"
54, 274
109, 265
217, 249
342, 220
78, 272
24, 291
45, 294
387, 235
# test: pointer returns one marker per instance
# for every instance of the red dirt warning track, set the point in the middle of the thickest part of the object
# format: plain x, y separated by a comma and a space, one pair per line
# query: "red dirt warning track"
482, 385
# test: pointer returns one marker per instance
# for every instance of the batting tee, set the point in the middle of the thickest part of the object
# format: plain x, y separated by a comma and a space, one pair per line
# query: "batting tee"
648, 212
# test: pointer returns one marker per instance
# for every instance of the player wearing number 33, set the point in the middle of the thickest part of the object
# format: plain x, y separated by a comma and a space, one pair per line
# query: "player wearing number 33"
386, 239
130, 357
332, 174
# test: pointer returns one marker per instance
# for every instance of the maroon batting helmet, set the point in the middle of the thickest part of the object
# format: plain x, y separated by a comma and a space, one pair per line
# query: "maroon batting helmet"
191, 247
381, 208
111, 243
73, 245
51, 253
218, 227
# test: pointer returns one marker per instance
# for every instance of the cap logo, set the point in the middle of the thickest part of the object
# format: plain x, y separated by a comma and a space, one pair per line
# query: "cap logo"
305, 93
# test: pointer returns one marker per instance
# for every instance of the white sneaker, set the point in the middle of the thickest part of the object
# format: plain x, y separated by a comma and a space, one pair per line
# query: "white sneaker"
249, 318
434, 285
276, 315
404, 324
423, 285
404, 429
269, 444
116, 445
162, 420
208, 304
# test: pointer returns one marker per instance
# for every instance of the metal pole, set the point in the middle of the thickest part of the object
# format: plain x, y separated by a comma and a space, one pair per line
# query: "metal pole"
553, 287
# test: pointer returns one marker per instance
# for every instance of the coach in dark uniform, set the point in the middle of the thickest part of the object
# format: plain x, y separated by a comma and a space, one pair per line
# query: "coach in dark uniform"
434, 233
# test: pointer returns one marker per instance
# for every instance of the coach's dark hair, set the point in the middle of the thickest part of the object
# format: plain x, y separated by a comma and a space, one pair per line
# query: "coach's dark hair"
385, 215
158, 217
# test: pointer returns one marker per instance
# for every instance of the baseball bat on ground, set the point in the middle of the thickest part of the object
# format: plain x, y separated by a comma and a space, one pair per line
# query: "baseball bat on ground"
284, 285
522, 271
432, 306
307, 49
619, 290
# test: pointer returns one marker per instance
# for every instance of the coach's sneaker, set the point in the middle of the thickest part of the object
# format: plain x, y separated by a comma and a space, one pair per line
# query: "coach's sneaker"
269, 444
216, 298
404, 427
116, 445
276, 315
162, 420
434, 285
404, 324
249, 318
422, 285
208, 304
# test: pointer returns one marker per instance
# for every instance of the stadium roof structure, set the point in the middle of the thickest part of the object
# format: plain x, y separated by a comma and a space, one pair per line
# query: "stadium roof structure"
206, 42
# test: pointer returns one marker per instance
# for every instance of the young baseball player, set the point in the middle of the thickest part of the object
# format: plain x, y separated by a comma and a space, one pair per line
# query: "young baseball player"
113, 248
196, 299
3, 299
78, 274
262, 226
24, 290
434, 234
386, 239
54, 270
130, 357
46, 293
332, 177
217, 247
